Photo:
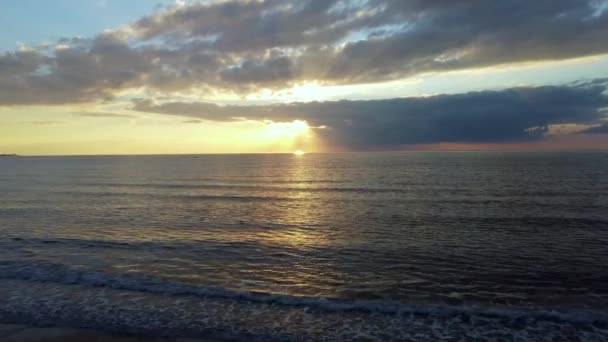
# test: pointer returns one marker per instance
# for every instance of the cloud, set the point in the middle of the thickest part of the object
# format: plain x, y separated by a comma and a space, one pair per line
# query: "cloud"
511, 115
78, 71
246, 46
601, 129
375, 40
206, 111
104, 115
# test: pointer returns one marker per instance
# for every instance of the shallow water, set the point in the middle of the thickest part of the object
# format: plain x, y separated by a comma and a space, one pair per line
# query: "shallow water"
364, 238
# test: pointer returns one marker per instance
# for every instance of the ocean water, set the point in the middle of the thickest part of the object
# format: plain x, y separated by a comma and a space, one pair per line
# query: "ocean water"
353, 246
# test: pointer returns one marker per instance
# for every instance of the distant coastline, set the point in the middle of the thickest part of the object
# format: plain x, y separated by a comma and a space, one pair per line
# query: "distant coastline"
8, 155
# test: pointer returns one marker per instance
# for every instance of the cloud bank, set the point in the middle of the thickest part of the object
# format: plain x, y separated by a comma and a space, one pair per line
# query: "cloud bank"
517, 114
246, 46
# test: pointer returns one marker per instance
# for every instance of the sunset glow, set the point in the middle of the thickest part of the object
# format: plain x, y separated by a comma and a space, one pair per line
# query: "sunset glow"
302, 170
238, 76
287, 129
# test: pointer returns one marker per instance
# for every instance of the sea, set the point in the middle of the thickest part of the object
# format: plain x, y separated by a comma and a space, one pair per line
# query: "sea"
378, 246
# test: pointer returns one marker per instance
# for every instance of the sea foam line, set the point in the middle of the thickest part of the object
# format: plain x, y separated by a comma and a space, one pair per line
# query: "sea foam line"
46, 272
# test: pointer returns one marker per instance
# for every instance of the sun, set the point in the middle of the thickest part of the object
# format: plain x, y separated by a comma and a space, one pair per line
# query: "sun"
293, 137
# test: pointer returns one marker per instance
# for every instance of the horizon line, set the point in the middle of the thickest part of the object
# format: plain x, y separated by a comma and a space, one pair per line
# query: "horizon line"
602, 150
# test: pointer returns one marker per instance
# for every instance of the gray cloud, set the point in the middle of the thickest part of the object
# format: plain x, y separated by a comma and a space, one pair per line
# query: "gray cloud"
104, 115
601, 129
276, 70
392, 38
243, 46
87, 71
517, 114
206, 111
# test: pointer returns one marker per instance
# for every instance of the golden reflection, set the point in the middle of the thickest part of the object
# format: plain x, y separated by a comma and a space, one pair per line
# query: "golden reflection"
299, 153
300, 219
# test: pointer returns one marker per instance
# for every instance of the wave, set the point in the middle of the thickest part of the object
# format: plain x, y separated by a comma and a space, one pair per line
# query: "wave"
297, 185
233, 186
352, 190
132, 245
181, 197
216, 180
48, 272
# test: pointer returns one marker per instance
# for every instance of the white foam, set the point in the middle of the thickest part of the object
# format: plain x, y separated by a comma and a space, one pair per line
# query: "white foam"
47, 272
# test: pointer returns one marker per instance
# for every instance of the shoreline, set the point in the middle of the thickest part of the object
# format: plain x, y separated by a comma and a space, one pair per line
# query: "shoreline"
32, 333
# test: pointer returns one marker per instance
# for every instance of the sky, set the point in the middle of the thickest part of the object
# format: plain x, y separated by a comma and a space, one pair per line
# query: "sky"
265, 76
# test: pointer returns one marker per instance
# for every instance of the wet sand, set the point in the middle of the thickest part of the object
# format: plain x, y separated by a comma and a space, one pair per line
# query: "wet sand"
24, 333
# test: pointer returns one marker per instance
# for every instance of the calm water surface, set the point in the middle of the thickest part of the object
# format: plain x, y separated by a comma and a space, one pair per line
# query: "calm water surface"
356, 238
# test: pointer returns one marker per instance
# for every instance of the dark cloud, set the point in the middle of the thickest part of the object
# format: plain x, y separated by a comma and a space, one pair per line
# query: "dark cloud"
388, 38
510, 115
277, 70
244, 46
88, 71
601, 129
239, 26
452, 35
